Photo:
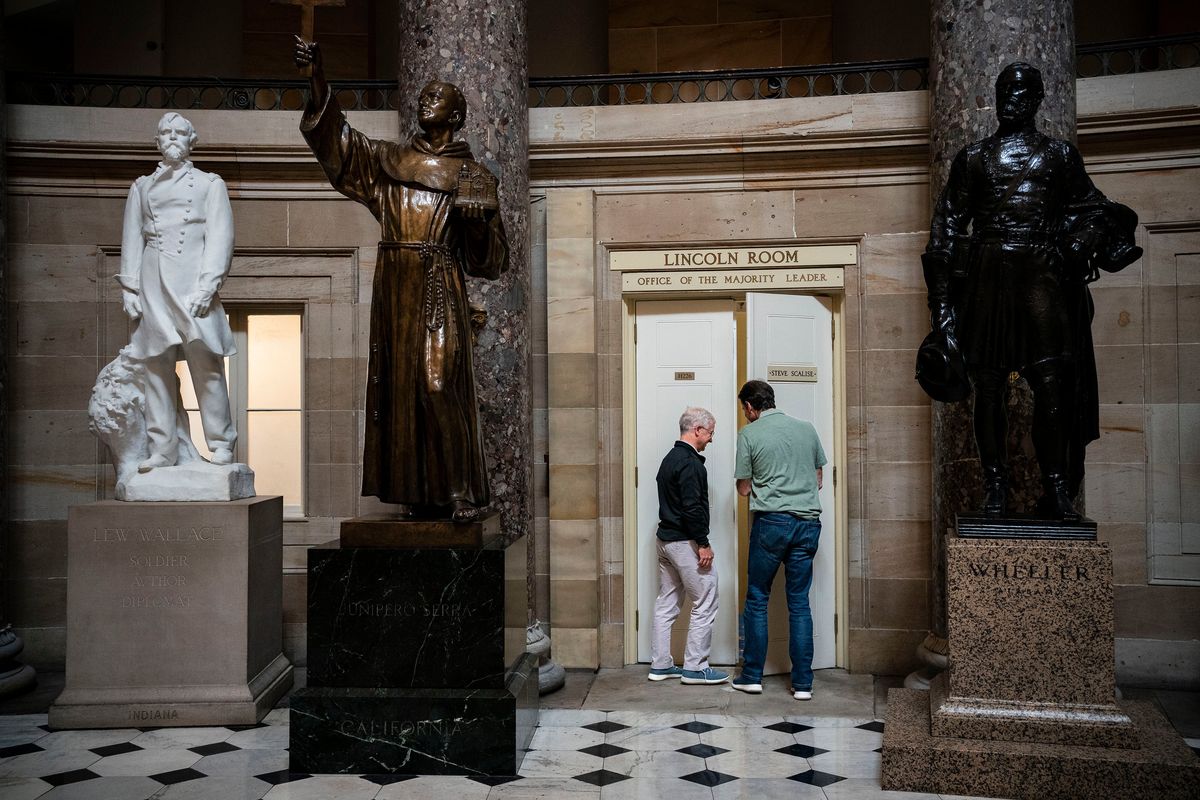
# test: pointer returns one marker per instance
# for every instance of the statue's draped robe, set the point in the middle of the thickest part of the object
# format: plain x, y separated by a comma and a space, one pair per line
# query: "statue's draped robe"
422, 443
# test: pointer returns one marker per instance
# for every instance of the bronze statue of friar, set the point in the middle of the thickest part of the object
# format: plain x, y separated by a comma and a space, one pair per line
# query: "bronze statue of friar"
1018, 233
439, 215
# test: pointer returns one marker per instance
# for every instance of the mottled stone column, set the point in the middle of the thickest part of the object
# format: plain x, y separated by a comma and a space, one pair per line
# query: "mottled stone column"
970, 42
480, 46
14, 676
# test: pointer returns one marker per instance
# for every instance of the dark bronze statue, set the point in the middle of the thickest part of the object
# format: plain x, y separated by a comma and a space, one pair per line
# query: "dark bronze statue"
1018, 233
440, 221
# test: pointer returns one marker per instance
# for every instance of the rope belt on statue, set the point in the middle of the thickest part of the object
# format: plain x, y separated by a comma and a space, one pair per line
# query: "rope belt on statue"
435, 258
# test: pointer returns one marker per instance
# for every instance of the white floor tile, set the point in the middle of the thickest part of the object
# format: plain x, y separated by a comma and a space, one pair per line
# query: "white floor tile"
656, 719
241, 787
642, 738
243, 762
564, 738
557, 764
123, 788
654, 764
868, 789
766, 789
86, 740
655, 789
145, 762
826, 722
277, 716
176, 738
545, 789
325, 787
841, 738
452, 788
49, 762
570, 716
272, 737
18, 729
23, 788
757, 764
848, 763
738, 720
749, 739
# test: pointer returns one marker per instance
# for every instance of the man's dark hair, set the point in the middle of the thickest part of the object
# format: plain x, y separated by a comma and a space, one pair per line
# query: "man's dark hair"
758, 394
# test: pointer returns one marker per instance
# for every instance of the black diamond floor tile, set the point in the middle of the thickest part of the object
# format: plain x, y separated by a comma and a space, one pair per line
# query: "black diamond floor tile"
282, 776
177, 776
697, 727
709, 777
801, 751
387, 780
702, 750
602, 777
46, 728
816, 778
247, 727
494, 780
788, 727
115, 749
74, 776
603, 750
216, 748
606, 727
19, 750
876, 726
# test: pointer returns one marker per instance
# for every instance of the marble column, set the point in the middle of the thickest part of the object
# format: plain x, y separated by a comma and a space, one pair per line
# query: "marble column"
481, 47
970, 42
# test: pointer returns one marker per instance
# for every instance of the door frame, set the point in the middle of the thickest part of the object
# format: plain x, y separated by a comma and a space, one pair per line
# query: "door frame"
629, 458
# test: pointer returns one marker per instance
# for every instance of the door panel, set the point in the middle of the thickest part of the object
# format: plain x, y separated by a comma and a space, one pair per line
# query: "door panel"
686, 356
796, 330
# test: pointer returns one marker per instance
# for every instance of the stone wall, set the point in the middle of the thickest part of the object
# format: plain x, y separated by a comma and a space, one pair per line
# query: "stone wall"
849, 169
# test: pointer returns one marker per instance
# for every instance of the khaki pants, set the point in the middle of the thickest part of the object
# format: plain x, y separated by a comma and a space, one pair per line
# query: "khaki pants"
679, 572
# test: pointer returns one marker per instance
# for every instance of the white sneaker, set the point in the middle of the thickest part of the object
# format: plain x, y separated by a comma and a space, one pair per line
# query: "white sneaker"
745, 686
802, 695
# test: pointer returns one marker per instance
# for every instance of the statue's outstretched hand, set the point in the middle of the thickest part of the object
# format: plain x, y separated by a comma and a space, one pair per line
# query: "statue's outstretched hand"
199, 303
307, 54
132, 305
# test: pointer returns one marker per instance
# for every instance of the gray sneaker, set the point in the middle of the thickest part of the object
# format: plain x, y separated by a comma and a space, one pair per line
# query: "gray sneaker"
664, 673
707, 675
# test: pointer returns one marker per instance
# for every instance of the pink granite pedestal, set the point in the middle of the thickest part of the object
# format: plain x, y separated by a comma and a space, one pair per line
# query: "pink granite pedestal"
1028, 705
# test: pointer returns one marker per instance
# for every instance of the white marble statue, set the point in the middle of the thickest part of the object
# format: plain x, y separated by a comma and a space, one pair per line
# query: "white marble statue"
176, 250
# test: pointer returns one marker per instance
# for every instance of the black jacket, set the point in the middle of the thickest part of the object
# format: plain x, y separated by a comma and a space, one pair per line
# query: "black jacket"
683, 496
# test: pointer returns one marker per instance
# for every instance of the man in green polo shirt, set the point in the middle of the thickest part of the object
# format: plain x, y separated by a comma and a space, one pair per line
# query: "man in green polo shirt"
779, 466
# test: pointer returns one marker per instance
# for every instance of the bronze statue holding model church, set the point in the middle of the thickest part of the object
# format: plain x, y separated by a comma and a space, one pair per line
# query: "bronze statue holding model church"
438, 211
1016, 236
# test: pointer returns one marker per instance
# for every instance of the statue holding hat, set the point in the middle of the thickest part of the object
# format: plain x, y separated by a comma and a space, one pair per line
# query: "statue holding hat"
1017, 235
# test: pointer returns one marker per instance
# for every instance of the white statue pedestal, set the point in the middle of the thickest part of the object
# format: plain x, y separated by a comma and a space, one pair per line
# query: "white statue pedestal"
174, 614
196, 481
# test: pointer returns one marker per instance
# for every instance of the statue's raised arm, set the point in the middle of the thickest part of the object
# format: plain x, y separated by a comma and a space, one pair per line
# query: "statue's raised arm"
308, 54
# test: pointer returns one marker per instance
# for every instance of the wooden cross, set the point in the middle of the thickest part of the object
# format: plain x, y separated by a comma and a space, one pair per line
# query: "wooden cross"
306, 17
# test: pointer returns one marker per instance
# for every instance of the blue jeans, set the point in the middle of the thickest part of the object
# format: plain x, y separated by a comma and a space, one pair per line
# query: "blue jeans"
777, 538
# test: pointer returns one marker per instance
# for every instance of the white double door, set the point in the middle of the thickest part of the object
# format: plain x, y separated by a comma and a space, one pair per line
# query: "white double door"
687, 355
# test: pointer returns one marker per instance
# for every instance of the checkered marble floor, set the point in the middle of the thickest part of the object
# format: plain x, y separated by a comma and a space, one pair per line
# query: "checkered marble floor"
575, 754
